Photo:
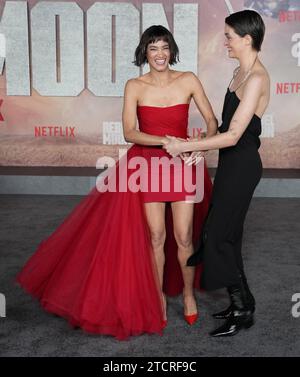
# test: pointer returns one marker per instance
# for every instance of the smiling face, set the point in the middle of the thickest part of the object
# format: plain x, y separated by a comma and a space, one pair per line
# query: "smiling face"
158, 55
234, 43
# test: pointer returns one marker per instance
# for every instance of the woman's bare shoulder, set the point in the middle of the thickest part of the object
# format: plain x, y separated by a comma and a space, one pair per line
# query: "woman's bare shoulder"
143, 79
266, 75
191, 78
134, 85
135, 81
260, 79
189, 75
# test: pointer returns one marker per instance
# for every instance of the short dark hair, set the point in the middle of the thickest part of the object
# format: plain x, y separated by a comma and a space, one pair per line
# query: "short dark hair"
248, 22
154, 34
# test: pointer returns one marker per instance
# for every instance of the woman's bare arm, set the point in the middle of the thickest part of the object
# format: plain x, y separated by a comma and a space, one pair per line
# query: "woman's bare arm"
238, 124
203, 104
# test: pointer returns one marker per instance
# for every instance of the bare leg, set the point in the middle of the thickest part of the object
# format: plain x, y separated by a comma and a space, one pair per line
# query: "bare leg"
183, 232
155, 214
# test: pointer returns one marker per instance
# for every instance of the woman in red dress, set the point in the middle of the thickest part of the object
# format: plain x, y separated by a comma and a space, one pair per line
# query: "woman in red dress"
161, 99
105, 267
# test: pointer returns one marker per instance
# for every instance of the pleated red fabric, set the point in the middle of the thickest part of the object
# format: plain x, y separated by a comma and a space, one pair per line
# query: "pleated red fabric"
97, 268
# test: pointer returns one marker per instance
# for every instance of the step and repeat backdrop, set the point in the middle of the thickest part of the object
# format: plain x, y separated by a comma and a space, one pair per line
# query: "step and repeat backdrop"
64, 64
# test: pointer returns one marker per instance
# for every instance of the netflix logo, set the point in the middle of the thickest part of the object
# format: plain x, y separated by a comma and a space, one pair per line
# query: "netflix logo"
289, 16
288, 88
196, 132
54, 131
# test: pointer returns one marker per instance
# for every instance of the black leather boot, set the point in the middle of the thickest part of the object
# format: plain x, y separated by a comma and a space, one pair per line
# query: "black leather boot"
241, 317
249, 299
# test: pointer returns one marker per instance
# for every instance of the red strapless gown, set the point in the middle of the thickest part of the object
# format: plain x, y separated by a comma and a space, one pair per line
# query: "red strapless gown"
161, 121
97, 268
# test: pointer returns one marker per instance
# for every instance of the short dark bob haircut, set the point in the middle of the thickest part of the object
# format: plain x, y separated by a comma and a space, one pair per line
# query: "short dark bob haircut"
154, 34
248, 22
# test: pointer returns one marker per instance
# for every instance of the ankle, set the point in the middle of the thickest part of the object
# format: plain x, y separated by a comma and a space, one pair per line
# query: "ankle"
190, 304
188, 295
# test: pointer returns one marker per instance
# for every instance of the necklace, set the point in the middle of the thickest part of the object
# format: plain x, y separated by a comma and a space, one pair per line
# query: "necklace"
245, 77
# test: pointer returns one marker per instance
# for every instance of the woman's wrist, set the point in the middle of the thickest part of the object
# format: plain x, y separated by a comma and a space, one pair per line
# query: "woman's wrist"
196, 146
186, 147
164, 140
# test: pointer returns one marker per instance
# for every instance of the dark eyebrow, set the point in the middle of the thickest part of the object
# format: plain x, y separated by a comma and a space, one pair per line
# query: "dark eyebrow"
166, 45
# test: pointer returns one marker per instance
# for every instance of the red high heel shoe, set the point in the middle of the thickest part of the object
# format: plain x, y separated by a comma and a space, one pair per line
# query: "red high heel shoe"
191, 319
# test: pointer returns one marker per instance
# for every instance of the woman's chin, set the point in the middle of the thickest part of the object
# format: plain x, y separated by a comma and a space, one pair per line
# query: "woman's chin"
160, 68
231, 55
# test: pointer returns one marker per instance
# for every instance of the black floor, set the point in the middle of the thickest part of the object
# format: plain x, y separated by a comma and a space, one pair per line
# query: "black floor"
272, 261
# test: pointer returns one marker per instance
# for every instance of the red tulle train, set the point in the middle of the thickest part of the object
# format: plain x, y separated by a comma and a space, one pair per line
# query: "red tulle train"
97, 269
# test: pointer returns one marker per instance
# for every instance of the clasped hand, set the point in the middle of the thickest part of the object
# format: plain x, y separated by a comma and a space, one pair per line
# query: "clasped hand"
174, 145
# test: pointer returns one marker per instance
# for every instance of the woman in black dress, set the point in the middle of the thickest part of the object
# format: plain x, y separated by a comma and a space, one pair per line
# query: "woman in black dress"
238, 173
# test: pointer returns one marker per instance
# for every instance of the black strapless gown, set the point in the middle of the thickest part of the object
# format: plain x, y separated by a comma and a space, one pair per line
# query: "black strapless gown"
238, 173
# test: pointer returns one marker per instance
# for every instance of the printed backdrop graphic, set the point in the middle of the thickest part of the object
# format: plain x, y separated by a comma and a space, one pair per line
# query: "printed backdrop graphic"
63, 66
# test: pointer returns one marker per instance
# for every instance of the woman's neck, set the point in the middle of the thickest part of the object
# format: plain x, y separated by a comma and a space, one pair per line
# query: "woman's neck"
160, 79
247, 61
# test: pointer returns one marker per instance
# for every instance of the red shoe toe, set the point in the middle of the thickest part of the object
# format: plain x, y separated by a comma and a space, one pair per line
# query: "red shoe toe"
191, 319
